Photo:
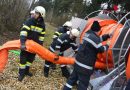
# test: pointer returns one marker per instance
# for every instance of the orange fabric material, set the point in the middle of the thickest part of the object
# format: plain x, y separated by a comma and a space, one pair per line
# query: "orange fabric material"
102, 65
33, 47
3, 59
102, 23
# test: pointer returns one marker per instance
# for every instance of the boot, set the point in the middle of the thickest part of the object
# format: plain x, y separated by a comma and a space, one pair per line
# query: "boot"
46, 71
65, 72
27, 72
21, 74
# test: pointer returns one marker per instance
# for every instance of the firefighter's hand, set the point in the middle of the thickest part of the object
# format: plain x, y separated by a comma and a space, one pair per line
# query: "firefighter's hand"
108, 43
23, 47
105, 37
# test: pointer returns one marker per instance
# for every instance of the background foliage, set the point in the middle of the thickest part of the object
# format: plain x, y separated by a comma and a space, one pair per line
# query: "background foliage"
14, 12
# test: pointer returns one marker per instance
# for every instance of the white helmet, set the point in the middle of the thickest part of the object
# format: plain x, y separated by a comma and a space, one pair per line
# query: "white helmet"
41, 10
75, 32
68, 24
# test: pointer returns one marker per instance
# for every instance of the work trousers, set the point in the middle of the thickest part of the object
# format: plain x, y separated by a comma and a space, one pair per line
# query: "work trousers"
80, 74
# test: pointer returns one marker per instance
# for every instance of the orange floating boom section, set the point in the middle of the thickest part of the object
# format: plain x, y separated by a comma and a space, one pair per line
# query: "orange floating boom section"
3, 59
44, 53
33, 47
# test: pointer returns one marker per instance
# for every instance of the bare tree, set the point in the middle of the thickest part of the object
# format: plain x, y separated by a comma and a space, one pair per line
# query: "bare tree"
13, 12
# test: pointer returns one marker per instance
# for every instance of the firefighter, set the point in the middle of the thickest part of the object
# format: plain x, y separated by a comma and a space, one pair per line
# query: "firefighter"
86, 58
58, 46
67, 26
32, 29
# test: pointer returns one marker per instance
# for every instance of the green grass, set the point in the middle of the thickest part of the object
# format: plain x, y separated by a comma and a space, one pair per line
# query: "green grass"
49, 33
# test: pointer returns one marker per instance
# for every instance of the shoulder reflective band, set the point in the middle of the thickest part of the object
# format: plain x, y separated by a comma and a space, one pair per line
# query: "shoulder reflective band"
93, 43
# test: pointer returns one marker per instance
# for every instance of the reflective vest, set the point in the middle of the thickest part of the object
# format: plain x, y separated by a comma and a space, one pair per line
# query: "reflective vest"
33, 29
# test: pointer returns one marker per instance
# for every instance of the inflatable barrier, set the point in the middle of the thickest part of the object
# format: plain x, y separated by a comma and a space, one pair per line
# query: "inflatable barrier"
3, 59
107, 27
44, 53
33, 47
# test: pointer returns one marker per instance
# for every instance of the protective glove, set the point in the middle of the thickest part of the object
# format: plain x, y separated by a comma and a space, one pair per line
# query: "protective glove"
23, 47
108, 43
105, 37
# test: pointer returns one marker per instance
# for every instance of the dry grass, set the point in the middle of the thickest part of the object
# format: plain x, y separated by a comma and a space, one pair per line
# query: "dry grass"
8, 80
